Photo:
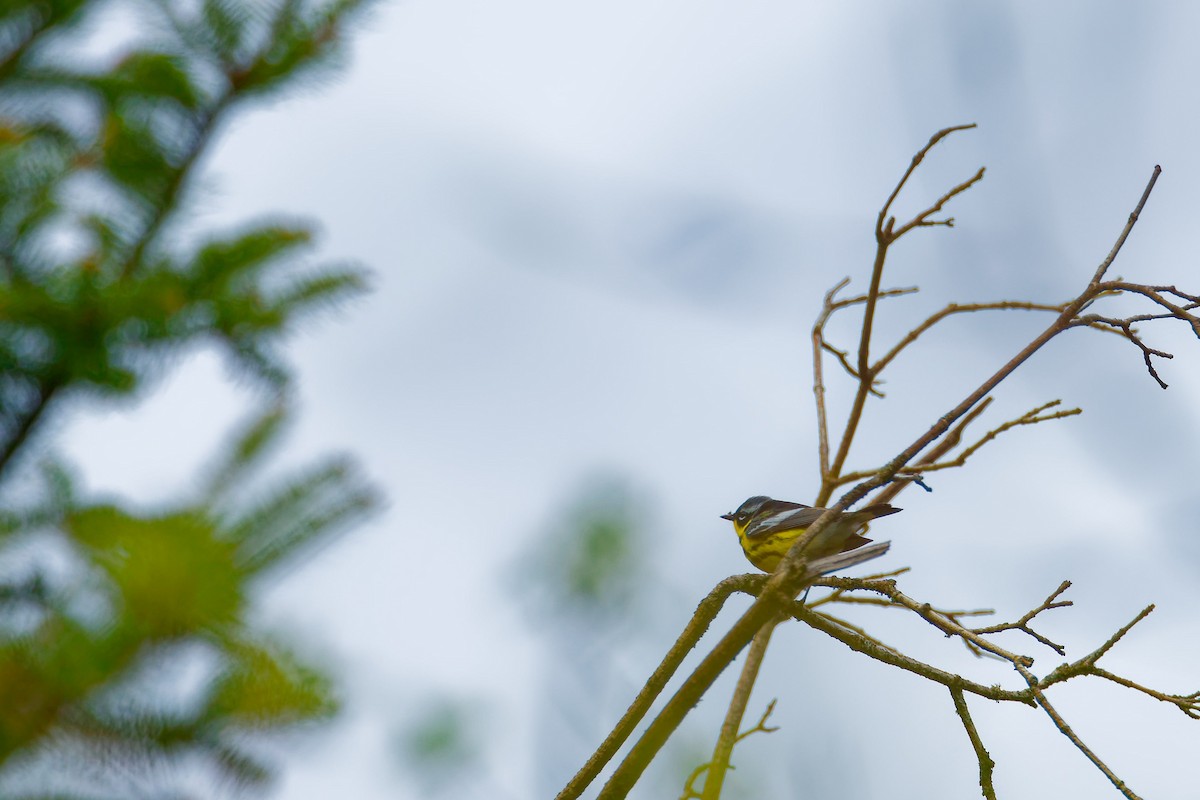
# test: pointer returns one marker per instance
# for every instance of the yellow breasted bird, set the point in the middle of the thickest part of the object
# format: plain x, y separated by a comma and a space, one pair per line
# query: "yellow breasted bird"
767, 528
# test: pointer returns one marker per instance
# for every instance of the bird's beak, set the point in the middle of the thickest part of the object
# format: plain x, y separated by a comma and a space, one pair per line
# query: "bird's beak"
728, 516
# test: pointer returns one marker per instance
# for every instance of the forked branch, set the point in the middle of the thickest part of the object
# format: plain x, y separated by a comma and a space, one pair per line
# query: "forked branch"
1159, 295
1035, 691
1022, 624
886, 234
1031, 417
777, 593
689, 789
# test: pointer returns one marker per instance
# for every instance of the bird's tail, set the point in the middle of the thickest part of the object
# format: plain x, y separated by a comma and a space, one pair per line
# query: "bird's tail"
869, 513
879, 510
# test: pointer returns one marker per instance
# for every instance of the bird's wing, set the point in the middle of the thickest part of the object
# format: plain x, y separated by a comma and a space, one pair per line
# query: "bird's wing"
785, 520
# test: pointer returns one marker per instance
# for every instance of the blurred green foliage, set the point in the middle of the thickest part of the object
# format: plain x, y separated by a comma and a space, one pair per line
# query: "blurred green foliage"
101, 282
594, 557
441, 744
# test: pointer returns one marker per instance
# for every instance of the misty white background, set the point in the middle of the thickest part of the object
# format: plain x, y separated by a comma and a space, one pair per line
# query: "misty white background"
599, 233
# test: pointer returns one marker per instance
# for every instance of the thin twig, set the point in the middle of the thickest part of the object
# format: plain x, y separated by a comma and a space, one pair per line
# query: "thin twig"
885, 236
936, 451
839, 596
1133, 218
957, 308
850, 626
761, 725
1066, 730
689, 790
1023, 623
689, 786
1031, 417
916, 161
946, 621
940, 620
894, 658
1124, 326
715, 778
1189, 704
843, 358
922, 220
819, 344
1035, 692
986, 764
1085, 665
818, 333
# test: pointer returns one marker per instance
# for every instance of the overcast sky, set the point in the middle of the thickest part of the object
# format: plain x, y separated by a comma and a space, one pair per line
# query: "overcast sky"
599, 234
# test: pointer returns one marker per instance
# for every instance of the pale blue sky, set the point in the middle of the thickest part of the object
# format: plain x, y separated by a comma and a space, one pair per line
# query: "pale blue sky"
599, 234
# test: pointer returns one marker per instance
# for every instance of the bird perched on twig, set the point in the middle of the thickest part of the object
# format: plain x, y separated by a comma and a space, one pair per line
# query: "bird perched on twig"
767, 528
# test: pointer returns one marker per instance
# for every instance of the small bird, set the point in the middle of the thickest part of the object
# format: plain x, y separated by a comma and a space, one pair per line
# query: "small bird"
767, 528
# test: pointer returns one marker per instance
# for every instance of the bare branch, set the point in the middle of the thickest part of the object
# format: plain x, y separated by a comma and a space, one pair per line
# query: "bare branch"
887, 655
885, 236
818, 341
1087, 664
895, 599
828, 307
1063, 322
939, 619
922, 220
843, 586
958, 308
1189, 704
859, 299
857, 629
938, 449
1023, 623
1031, 417
719, 765
705, 613
843, 358
1133, 218
1035, 693
1066, 730
689, 789
986, 765
761, 725
880, 224
1125, 328
764, 609
689, 786
883, 584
